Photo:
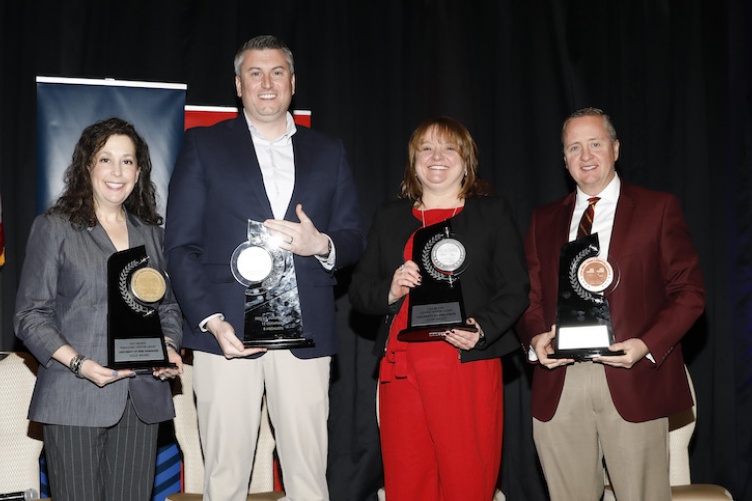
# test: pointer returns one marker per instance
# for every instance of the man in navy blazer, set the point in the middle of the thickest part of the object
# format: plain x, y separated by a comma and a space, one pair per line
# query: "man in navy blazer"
614, 406
260, 166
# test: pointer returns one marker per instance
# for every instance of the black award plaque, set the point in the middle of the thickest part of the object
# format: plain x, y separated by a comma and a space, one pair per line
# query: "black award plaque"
134, 334
436, 305
583, 318
272, 304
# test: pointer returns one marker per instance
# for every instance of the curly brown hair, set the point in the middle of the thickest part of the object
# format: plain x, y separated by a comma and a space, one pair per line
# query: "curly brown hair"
451, 130
77, 200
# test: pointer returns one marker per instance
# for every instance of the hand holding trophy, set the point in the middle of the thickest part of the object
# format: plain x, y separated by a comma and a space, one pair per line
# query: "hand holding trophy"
583, 318
272, 306
135, 338
436, 304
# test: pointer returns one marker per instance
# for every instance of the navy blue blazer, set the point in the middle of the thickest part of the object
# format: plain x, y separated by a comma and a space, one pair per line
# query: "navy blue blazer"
215, 188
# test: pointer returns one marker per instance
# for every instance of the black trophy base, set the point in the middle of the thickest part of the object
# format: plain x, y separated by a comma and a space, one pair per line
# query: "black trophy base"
432, 333
141, 367
282, 343
583, 354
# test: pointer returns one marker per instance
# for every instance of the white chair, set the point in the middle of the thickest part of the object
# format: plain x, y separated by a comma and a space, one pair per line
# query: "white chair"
681, 428
20, 439
261, 486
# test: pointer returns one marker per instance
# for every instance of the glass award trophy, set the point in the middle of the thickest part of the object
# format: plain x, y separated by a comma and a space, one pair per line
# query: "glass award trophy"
436, 305
583, 318
272, 304
134, 334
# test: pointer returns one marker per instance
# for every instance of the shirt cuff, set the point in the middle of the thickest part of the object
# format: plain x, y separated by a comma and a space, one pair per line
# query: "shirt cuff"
328, 261
531, 355
202, 324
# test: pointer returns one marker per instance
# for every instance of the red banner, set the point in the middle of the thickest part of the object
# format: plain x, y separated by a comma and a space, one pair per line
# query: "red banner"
198, 116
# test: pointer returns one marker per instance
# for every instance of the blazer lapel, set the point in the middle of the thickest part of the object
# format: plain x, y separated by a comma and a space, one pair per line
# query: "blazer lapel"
135, 235
622, 221
302, 174
241, 147
102, 240
564, 221
135, 231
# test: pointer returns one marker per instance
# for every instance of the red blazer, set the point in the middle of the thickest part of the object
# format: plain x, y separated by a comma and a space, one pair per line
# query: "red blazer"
660, 296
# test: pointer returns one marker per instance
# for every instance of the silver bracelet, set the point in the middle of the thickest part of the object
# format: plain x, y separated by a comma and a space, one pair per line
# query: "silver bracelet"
169, 343
75, 365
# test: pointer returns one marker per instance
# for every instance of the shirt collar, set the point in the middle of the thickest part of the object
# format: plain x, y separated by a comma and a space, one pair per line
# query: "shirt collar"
609, 193
289, 131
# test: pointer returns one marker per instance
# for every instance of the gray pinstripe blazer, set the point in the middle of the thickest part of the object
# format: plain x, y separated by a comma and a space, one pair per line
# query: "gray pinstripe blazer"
62, 299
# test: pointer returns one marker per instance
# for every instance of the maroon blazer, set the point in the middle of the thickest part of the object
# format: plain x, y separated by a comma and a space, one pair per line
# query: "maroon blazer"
660, 296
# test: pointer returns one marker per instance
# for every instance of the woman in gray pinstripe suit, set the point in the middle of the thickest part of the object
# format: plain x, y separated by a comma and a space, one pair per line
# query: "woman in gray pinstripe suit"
100, 424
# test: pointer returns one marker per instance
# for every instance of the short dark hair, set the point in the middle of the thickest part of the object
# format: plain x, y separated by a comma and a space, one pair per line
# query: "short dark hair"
264, 42
591, 112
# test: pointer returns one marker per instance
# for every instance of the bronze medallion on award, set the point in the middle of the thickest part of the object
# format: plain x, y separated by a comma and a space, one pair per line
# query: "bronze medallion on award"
436, 305
134, 334
272, 304
583, 318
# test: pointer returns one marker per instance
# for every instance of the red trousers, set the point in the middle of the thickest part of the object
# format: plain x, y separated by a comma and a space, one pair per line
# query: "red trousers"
441, 424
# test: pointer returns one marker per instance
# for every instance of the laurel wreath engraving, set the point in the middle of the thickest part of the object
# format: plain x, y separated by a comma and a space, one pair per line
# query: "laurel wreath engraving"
574, 281
125, 294
425, 258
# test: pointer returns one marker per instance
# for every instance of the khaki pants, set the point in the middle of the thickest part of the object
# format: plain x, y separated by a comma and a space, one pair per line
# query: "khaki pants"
585, 429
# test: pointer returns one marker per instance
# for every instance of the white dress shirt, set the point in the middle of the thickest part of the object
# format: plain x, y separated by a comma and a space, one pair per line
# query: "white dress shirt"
603, 218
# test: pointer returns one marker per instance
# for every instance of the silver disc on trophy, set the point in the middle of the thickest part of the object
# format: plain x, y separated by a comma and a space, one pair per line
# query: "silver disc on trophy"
448, 255
251, 264
443, 256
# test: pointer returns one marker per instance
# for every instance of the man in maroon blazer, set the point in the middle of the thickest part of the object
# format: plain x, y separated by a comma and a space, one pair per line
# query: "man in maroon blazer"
611, 406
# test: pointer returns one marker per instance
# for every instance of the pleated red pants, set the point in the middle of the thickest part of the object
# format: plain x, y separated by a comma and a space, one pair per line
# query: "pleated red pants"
441, 424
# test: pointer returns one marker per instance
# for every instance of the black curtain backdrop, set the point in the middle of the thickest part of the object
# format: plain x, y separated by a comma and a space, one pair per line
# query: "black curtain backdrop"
673, 74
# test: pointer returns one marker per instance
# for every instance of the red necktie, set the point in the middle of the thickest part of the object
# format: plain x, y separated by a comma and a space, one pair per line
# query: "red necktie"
586, 222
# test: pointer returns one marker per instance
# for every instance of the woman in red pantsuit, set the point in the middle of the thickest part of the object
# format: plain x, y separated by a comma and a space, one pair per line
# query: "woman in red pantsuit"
441, 401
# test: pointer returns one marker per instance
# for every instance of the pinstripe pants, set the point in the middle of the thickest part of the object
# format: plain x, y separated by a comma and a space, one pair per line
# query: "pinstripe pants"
115, 463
